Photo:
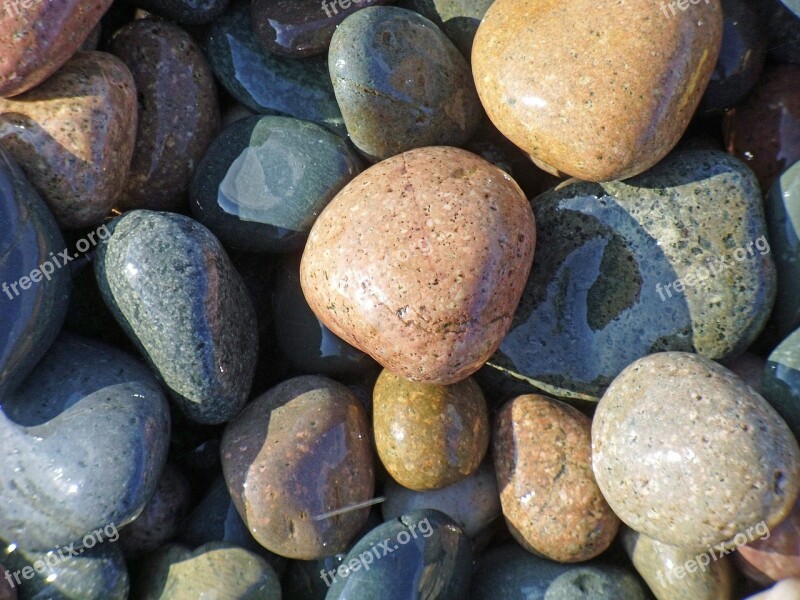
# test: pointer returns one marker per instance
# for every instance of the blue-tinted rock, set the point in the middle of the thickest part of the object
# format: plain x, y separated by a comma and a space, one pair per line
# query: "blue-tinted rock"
174, 290
792, 5
781, 382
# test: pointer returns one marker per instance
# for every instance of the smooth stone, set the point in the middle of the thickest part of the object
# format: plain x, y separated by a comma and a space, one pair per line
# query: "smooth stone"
588, 106
458, 19
400, 83
407, 265
294, 454
301, 28
303, 339
551, 502
473, 503
657, 564
32, 51
63, 474
74, 136
267, 83
792, 5
603, 292
178, 112
161, 517
788, 589
776, 554
764, 130
177, 295
264, 180
511, 573
429, 436
216, 570
675, 429
29, 319
434, 561
185, 12
781, 382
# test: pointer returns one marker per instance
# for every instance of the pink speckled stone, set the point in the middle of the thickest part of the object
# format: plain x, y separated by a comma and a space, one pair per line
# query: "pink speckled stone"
420, 261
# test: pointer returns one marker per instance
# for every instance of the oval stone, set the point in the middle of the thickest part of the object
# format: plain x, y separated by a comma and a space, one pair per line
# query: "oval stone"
607, 96
420, 262
675, 429
295, 454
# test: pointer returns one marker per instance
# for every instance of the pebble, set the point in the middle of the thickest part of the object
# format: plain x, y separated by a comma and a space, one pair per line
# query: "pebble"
781, 381
458, 19
775, 554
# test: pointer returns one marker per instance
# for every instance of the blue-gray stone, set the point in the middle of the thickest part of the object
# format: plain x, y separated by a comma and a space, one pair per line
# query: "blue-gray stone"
781, 381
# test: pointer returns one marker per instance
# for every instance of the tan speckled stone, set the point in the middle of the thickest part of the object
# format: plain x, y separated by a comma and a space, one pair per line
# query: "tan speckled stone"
420, 261
686, 453
543, 459
599, 91
74, 136
429, 436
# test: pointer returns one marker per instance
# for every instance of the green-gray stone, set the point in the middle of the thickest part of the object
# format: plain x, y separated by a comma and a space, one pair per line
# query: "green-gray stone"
458, 19
781, 383
603, 293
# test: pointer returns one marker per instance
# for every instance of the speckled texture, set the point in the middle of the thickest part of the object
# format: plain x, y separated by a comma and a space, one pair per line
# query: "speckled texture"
611, 90
178, 112
169, 283
458, 19
774, 555
302, 27
35, 41
87, 437
299, 451
658, 565
764, 130
429, 436
264, 180
420, 262
543, 460
781, 384
186, 12
400, 83
74, 136
687, 454
603, 292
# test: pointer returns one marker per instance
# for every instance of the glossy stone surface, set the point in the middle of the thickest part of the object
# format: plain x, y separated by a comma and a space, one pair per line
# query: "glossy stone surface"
781, 385
400, 83
458, 19
385, 271
267, 83
511, 573
176, 294
675, 428
30, 318
299, 451
675, 259
74, 136
473, 503
178, 112
793, 5
36, 38
64, 475
543, 460
434, 561
774, 555
429, 436
186, 12
301, 28
264, 180
658, 565
764, 130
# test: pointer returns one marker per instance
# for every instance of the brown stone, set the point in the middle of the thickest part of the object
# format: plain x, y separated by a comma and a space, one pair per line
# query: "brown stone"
420, 262
776, 554
429, 436
543, 459
596, 91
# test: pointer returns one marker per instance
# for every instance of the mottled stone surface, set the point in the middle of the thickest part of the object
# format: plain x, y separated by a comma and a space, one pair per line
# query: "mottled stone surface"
458, 19
781, 384
299, 451
87, 437
267, 83
426, 555
429, 436
31, 312
186, 12
173, 289
301, 27
764, 130
264, 180
670, 574
178, 112
675, 429
543, 460
609, 99
775, 555
420, 262
674, 259
36, 38
782, 206
400, 83
472, 503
